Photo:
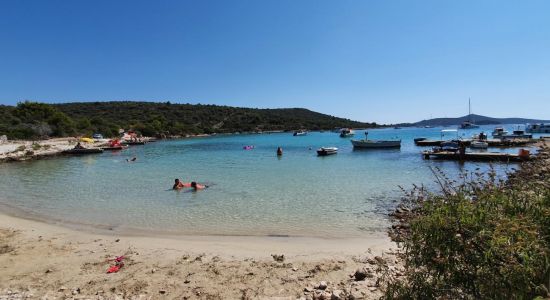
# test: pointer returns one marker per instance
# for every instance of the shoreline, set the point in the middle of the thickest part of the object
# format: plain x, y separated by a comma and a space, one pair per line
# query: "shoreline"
47, 260
222, 245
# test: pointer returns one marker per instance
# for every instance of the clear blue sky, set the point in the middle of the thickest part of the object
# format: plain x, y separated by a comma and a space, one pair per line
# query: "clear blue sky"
383, 61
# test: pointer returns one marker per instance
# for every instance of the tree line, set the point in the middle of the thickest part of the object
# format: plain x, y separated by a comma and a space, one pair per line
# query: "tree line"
32, 120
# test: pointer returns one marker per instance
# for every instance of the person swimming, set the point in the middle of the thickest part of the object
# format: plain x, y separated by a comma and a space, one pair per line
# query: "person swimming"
194, 185
177, 184
279, 151
197, 186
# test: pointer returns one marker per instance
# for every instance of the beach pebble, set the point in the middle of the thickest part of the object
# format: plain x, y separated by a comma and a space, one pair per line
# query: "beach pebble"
278, 257
153, 270
336, 295
308, 290
322, 285
294, 269
117, 240
162, 292
48, 271
379, 260
361, 274
61, 289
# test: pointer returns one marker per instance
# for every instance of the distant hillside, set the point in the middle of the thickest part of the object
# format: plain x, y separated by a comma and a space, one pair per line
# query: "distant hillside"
479, 120
31, 119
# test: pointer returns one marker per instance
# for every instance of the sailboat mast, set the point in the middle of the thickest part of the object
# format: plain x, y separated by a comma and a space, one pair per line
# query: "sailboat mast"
469, 110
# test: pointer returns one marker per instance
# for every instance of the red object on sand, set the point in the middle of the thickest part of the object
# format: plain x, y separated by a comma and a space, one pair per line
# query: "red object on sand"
113, 269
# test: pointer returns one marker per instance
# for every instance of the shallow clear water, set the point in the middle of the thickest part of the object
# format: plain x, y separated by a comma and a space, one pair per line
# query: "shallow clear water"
253, 192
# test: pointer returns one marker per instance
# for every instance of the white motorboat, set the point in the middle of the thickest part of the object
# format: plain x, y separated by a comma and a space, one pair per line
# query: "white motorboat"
347, 132
499, 132
299, 133
479, 145
324, 151
376, 144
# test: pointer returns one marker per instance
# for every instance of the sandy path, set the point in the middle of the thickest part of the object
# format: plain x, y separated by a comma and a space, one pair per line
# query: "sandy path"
39, 259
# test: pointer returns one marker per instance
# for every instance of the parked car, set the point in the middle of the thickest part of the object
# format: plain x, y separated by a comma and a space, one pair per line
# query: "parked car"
97, 136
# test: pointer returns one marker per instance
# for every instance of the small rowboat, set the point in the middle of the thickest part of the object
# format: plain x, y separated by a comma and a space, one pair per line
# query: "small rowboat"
324, 151
83, 151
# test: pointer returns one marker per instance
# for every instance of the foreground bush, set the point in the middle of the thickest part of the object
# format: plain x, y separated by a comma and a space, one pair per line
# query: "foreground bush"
479, 238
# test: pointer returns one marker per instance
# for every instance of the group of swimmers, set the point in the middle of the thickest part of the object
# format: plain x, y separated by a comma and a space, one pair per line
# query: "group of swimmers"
178, 185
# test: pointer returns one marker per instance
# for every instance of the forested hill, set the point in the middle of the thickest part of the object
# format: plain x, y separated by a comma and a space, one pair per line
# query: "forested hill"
478, 119
33, 120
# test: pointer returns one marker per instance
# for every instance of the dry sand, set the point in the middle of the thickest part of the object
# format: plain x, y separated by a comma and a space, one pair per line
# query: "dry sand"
40, 260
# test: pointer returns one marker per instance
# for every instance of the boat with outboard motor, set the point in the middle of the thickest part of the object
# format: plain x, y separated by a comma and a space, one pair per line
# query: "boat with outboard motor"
346, 132
479, 145
499, 132
299, 133
324, 151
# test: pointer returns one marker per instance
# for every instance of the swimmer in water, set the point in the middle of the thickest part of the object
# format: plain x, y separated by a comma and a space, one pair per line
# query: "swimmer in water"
197, 186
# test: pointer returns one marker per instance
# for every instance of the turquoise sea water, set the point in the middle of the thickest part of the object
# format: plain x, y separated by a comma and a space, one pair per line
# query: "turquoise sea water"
253, 192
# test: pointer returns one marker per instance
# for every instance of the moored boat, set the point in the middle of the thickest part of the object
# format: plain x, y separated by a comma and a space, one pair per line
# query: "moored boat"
133, 143
376, 144
516, 134
469, 124
347, 132
538, 128
419, 139
499, 132
299, 133
114, 148
83, 151
479, 145
324, 151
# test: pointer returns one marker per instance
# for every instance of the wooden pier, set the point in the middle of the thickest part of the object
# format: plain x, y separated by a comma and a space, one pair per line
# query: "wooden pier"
475, 156
491, 142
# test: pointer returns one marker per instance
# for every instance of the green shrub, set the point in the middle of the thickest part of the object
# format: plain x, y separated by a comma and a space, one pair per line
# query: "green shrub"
481, 238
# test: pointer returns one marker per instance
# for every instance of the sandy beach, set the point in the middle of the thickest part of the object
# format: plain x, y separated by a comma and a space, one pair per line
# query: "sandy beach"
47, 260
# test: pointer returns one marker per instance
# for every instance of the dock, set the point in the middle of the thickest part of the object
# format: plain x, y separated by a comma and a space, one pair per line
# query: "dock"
475, 156
491, 142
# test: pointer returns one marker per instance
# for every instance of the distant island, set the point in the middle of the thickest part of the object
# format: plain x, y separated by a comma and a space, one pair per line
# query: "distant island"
478, 119
29, 120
